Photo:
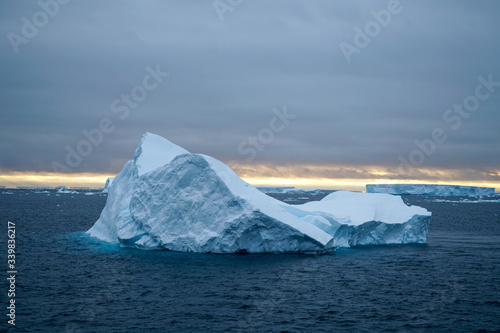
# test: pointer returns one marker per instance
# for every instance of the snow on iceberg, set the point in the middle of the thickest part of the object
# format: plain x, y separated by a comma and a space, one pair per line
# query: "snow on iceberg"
371, 218
431, 189
168, 198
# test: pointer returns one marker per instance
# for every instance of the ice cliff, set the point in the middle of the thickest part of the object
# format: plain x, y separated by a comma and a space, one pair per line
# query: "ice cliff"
168, 198
430, 189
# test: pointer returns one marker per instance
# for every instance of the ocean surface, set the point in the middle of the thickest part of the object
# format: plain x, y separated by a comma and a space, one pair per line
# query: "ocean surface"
68, 282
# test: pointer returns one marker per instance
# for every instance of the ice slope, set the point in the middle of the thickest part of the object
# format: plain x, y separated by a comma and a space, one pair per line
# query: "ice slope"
430, 189
168, 198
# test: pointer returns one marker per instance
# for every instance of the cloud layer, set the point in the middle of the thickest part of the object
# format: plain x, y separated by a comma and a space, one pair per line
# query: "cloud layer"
226, 77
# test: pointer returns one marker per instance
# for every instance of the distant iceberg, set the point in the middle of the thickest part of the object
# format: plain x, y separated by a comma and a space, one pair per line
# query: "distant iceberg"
168, 198
288, 189
64, 190
431, 189
108, 184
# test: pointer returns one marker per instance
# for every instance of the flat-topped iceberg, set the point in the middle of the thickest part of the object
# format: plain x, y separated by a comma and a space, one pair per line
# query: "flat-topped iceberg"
431, 189
168, 198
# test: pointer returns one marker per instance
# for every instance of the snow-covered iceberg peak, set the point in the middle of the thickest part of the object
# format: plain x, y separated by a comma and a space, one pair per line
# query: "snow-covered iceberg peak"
155, 151
168, 198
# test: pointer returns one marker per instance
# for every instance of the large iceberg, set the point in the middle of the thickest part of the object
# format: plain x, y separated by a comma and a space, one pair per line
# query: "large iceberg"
168, 198
431, 189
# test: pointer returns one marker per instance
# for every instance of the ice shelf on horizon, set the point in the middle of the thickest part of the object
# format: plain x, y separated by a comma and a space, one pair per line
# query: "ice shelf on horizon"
431, 189
168, 198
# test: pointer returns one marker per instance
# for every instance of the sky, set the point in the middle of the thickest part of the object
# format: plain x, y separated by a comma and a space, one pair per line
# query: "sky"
327, 94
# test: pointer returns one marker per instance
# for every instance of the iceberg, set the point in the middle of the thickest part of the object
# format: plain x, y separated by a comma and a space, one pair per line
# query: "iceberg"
370, 219
288, 190
64, 190
169, 198
274, 189
431, 189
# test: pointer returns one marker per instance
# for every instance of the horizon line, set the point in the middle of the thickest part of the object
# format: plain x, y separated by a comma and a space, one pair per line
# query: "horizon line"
97, 180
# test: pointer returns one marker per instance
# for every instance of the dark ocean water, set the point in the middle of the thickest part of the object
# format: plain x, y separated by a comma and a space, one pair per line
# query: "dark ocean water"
68, 282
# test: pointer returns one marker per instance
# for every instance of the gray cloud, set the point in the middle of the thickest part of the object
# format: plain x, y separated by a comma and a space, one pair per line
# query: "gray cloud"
226, 77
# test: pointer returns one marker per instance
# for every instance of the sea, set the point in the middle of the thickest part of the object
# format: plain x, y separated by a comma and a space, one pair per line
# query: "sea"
66, 281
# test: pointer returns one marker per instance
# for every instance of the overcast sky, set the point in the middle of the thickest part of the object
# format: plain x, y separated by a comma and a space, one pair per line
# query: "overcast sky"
227, 75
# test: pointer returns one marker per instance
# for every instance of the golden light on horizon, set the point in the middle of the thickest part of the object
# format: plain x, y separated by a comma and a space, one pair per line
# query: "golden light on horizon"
351, 184
43, 179
354, 178
321, 183
256, 175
